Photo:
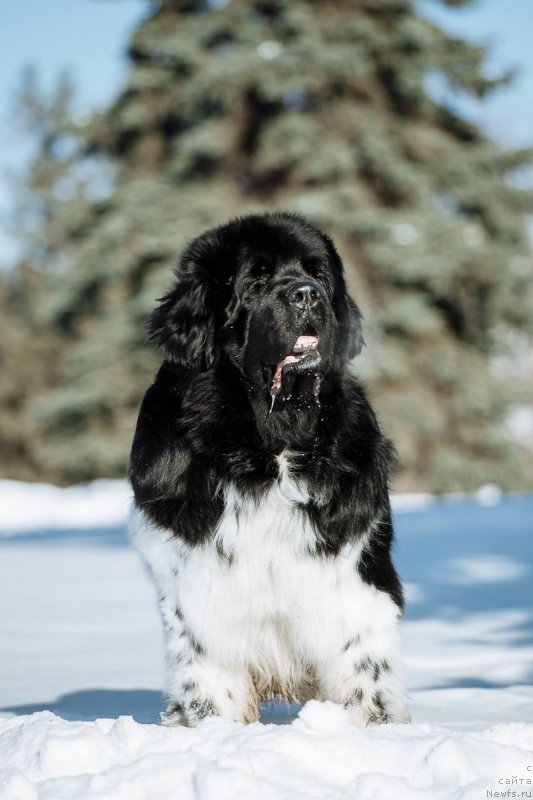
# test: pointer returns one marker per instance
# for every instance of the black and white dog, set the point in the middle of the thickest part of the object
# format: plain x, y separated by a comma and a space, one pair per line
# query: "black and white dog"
260, 478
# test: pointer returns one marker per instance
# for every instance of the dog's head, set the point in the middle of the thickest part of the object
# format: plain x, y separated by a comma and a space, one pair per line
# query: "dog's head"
268, 291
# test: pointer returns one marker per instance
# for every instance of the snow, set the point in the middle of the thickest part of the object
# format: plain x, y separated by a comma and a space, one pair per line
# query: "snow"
520, 425
486, 569
319, 755
38, 506
81, 667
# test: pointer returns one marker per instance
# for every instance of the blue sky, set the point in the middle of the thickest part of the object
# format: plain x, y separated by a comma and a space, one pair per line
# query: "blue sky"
88, 37
505, 26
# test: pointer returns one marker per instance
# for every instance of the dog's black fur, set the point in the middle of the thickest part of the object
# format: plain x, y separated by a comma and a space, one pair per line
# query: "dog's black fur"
208, 420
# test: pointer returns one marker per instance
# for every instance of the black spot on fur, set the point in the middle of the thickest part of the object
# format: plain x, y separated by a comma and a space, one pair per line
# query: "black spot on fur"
176, 708
196, 646
378, 702
223, 554
356, 699
175, 713
194, 643
190, 686
379, 716
353, 642
203, 708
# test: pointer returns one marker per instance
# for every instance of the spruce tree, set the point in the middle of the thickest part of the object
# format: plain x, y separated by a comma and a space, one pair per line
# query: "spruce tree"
54, 199
55, 193
30, 353
320, 108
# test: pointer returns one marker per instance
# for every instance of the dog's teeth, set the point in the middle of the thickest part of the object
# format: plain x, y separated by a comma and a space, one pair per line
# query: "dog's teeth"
305, 343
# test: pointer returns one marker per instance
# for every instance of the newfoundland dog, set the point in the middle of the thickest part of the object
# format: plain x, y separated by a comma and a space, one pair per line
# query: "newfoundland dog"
260, 478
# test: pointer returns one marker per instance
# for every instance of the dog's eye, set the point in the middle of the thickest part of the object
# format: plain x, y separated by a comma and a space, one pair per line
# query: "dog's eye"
313, 269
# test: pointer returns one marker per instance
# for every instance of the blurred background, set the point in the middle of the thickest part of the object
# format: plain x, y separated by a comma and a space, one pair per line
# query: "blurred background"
404, 129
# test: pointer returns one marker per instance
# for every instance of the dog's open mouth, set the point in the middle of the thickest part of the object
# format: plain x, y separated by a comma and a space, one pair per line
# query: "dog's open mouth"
305, 350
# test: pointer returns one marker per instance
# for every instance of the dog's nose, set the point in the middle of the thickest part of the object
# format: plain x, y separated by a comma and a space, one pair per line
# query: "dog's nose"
304, 294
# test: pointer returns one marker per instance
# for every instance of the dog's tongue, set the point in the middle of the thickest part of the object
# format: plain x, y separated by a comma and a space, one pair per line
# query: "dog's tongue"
302, 345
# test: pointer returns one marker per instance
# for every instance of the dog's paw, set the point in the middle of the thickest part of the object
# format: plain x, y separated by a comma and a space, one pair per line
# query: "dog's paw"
173, 716
187, 715
366, 715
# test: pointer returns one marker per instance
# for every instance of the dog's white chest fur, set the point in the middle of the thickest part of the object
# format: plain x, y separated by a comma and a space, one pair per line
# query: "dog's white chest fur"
259, 600
268, 595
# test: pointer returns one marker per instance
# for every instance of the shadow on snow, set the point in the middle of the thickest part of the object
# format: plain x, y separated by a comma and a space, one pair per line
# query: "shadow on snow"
144, 705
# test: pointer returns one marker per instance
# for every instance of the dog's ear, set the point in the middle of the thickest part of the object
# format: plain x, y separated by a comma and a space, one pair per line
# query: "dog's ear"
351, 328
183, 323
349, 317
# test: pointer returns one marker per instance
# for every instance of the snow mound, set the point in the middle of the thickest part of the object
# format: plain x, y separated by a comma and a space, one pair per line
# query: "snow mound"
320, 755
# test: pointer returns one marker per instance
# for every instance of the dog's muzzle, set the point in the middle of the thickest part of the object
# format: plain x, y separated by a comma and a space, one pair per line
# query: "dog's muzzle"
305, 350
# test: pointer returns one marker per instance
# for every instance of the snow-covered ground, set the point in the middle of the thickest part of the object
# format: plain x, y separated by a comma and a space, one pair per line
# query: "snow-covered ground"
81, 667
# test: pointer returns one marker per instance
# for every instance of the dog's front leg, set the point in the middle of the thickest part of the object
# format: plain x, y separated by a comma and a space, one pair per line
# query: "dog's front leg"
371, 691
362, 672
197, 686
